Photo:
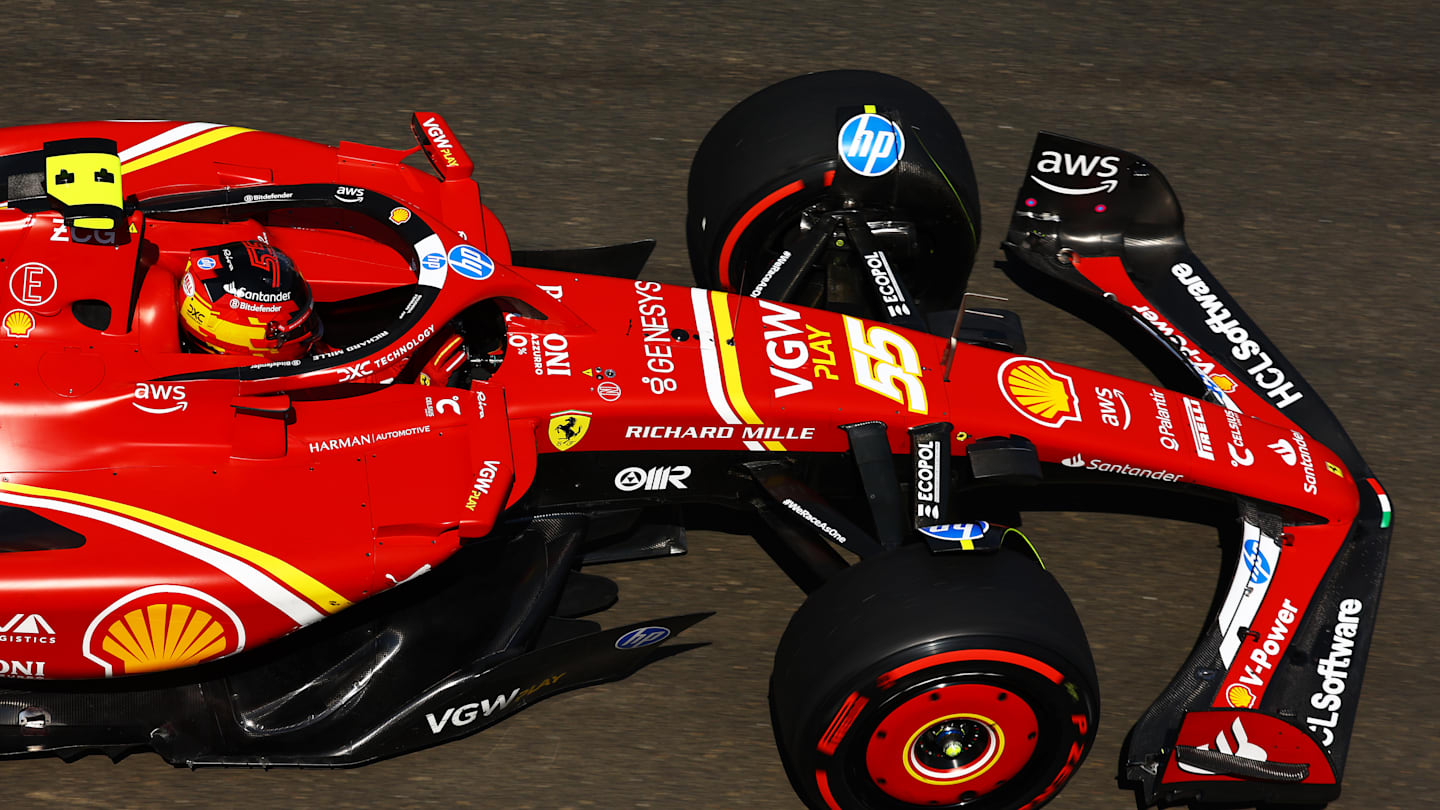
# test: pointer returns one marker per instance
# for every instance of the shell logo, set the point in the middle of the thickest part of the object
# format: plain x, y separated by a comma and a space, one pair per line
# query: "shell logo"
1223, 382
18, 323
1239, 696
1038, 392
162, 627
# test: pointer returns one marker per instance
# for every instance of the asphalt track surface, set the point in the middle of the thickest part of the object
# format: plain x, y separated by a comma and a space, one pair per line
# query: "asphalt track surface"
1301, 139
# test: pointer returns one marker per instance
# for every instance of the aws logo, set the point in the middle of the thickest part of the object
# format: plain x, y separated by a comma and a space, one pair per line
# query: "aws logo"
162, 627
167, 398
1097, 172
1038, 392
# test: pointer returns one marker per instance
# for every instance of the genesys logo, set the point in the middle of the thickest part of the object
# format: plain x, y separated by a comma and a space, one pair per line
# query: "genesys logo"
1038, 392
1095, 173
27, 628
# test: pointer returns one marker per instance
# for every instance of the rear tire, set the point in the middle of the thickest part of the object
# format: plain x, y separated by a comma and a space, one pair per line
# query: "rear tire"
775, 155
920, 680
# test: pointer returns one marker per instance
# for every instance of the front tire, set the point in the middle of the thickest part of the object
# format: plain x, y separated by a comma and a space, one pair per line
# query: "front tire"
920, 680
773, 160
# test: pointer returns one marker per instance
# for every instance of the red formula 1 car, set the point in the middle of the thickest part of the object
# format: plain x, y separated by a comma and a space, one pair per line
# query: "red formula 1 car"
458, 428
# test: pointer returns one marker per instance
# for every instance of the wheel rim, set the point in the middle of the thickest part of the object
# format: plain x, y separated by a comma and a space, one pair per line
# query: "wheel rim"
952, 744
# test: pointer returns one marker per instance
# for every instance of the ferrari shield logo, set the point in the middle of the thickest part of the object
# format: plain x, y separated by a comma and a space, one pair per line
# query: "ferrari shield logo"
567, 428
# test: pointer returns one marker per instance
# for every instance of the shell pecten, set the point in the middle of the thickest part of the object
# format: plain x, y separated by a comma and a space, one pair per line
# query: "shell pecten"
1039, 392
164, 636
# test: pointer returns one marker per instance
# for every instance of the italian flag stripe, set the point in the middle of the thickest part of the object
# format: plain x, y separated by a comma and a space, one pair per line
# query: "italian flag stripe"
1384, 503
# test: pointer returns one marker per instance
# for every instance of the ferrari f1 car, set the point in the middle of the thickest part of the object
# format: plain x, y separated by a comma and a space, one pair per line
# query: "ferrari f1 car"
481, 425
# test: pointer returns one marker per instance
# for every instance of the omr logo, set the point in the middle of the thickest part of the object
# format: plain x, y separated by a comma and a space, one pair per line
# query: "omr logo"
871, 144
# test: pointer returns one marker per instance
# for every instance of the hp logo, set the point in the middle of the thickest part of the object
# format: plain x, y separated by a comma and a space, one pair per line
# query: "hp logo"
871, 144
471, 263
1256, 562
642, 637
957, 531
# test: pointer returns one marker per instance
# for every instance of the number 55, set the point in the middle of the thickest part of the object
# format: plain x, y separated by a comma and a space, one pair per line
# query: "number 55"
885, 362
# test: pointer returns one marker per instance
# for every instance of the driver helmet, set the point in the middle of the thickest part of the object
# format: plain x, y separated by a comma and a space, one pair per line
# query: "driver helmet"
247, 298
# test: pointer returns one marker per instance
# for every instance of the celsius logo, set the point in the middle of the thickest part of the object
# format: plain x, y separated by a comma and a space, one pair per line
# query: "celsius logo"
1079, 166
633, 478
1255, 561
871, 144
1286, 450
642, 637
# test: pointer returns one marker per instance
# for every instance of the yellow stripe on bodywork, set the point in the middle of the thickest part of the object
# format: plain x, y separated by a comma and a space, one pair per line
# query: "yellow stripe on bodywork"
183, 147
312, 589
730, 365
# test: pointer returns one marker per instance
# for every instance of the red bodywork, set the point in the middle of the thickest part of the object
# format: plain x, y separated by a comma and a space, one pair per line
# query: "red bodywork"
219, 514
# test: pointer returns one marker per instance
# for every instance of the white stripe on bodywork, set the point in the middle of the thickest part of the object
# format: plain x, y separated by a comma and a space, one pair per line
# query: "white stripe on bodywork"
710, 361
259, 583
430, 278
164, 139
1243, 600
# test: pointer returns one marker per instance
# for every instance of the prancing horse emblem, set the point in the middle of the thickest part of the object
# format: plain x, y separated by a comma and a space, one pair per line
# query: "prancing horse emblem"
567, 428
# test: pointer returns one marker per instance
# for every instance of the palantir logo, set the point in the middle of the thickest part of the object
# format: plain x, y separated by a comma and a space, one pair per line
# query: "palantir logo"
871, 144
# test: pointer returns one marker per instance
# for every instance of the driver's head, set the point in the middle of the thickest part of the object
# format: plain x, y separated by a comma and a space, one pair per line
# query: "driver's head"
247, 298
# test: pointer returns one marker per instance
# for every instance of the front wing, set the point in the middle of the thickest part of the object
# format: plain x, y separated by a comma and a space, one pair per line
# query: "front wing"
1263, 708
